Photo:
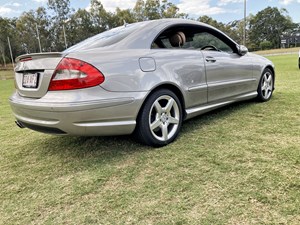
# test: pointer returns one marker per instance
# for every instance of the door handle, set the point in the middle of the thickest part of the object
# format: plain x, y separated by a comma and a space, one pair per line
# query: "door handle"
210, 59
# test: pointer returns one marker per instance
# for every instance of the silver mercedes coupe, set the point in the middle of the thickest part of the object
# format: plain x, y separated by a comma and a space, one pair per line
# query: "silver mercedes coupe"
144, 79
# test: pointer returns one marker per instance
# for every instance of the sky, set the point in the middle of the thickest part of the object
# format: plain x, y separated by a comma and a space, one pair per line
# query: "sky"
221, 10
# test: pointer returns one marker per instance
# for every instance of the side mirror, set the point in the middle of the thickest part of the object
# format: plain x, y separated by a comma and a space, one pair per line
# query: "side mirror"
242, 50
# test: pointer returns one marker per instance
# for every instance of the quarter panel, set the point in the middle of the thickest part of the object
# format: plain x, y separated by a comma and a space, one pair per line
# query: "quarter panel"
182, 68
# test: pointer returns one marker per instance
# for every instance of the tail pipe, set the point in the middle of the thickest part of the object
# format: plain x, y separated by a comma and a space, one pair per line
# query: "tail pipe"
19, 124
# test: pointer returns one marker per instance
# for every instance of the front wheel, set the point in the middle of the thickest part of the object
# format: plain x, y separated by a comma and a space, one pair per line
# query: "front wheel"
266, 86
160, 119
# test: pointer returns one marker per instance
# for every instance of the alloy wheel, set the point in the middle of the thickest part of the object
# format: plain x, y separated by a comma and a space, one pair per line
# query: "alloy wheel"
267, 85
164, 118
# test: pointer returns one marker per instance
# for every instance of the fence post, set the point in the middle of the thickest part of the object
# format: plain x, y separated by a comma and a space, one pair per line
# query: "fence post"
11, 55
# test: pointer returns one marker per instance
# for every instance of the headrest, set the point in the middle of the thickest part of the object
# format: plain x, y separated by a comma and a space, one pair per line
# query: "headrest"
178, 39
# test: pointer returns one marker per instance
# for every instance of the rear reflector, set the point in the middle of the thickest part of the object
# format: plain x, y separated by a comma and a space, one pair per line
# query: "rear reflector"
75, 74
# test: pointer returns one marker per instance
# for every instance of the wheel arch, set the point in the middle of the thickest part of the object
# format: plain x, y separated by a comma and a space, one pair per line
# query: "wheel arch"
177, 91
273, 72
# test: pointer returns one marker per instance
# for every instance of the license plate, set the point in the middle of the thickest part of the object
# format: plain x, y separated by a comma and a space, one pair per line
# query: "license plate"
30, 80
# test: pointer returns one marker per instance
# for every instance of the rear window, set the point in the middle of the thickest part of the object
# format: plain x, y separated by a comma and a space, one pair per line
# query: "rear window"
106, 38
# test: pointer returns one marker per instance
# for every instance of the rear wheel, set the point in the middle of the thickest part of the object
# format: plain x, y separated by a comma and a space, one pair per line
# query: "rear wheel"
266, 86
160, 119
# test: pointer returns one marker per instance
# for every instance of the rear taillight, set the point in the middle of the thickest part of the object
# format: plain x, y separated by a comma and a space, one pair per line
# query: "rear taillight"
74, 74
25, 59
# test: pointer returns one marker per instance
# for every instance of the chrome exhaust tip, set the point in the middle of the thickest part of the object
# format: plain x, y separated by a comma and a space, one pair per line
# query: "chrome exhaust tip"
19, 124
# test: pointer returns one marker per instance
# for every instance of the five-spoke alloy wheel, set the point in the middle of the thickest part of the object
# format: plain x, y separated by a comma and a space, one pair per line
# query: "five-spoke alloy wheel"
266, 86
160, 119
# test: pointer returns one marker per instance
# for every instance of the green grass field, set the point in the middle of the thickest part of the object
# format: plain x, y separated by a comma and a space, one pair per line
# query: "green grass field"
236, 165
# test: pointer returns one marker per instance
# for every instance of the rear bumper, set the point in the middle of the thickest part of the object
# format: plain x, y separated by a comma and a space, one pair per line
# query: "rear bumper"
80, 112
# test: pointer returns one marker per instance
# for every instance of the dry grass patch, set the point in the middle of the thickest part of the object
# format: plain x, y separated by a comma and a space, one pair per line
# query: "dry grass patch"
278, 51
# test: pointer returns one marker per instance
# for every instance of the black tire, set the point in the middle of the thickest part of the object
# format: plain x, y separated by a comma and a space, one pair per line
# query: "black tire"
160, 119
299, 62
266, 86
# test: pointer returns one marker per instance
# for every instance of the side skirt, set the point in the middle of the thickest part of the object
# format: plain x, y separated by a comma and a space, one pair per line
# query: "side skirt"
196, 111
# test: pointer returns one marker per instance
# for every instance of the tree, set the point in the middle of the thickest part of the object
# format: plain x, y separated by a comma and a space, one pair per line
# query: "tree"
101, 18
152, 9
43, 23
268, 25
61, 13
26, 27
60, 8
226, 28
265, 45
155, 9
169, 10
262, 29
121, 16
80, 27
4, 31
138, 10
26, 31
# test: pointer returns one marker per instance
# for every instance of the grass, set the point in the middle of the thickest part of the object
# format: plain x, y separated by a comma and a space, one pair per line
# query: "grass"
6, 72
278, 51
236, 165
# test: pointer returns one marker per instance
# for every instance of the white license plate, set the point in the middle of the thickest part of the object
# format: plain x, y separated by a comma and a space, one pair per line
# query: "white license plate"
30, 80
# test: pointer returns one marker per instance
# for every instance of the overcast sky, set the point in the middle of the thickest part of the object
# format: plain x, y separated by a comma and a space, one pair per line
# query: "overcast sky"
221, 10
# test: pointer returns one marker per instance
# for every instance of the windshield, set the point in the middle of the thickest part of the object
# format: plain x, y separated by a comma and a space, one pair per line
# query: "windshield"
106, 38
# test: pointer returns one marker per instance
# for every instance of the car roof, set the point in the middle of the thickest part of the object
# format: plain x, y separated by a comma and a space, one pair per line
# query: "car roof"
147, 31
143, 38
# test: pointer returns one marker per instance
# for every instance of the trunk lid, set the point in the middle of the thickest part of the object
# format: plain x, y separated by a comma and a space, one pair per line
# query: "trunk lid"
33, 73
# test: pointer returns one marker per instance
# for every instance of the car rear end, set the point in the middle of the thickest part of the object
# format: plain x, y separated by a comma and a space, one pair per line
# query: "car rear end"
60, 95
34, 72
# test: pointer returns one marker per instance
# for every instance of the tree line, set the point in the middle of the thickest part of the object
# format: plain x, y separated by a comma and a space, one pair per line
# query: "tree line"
57, 26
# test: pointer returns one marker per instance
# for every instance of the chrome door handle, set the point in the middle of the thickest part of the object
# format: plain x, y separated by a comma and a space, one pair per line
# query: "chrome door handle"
210, 59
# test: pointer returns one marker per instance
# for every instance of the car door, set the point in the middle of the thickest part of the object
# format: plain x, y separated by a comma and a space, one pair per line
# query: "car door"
228, 74
182, 65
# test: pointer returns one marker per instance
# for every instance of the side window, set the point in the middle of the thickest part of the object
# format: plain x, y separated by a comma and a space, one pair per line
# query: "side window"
163, 41
191, 37
206, 40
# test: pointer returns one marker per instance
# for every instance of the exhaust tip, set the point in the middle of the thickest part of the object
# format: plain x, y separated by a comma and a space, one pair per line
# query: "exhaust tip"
19, 124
